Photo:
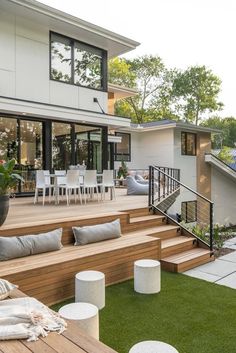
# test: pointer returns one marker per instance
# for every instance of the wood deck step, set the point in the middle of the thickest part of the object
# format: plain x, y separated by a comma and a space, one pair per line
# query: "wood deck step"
137, 223
160, 231
186, 260
177, 244
138, 212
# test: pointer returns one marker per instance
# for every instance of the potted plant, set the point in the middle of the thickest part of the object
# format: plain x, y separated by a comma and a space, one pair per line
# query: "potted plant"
8, 179
122, 171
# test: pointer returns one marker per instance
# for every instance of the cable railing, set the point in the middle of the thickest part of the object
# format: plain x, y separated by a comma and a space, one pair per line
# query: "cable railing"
181, 204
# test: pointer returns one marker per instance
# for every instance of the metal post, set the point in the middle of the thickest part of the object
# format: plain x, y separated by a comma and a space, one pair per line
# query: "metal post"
149, 191
211, 227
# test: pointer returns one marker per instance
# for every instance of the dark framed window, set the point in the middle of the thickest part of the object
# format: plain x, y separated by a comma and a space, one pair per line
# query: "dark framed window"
123, 149
188, 144
77, 63
189, 211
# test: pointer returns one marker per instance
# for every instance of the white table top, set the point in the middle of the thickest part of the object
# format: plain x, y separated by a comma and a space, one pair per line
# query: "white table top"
152, 347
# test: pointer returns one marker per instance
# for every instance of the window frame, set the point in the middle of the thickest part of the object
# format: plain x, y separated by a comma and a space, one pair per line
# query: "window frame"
117, 154
184, 150
185, 204
104, 75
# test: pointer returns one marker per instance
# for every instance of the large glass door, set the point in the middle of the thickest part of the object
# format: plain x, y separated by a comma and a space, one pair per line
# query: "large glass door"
23, 141
61, 146
31, 152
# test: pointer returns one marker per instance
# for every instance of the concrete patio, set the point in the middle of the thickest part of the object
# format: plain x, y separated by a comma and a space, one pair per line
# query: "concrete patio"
222, 271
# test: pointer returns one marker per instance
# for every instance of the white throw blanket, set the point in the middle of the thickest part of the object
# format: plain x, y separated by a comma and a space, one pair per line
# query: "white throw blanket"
27, 318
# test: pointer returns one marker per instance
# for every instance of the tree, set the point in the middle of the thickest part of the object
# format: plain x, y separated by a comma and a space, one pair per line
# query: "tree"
225, 155
197, 90
147, 74
227, 126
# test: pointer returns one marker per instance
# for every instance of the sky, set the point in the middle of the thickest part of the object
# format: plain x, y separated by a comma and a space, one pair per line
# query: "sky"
182, 32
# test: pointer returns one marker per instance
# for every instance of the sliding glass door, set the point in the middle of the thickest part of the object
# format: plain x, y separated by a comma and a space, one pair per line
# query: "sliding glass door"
23, 141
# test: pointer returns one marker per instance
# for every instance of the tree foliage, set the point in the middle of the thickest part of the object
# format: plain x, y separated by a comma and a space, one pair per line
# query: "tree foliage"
225, 155
227, 126
165, 93
197, 90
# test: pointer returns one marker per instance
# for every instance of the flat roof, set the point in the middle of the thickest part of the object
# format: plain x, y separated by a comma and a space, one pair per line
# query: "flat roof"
167, 124
70, 25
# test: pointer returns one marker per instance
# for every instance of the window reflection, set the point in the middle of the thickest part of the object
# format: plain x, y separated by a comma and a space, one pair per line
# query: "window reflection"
60, 58
61, 146
88, 146
31, 152
8, 138
87, 65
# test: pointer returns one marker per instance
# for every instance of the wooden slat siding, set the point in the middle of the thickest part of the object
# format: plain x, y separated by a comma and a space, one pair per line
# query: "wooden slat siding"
67, 237
73, 340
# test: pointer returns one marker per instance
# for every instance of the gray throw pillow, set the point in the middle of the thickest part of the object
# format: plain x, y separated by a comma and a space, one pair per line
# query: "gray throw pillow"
99, 232
14, 247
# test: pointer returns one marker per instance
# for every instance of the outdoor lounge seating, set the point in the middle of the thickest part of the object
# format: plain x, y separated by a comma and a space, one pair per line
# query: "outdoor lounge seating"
50, 277
136, 188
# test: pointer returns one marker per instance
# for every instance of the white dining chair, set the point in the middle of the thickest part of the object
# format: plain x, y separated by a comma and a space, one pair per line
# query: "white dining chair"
72, 183
90, 183
42, 182
108, 182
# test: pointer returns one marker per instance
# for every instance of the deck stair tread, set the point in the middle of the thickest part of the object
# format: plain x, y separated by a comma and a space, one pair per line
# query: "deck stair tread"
153, 230
165, 243
145, 218
186, 256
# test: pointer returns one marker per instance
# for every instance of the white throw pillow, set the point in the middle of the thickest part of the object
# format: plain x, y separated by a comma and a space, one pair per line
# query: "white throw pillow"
6, 288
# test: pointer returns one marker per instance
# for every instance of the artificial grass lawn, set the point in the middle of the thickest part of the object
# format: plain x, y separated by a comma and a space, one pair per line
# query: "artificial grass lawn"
192, 315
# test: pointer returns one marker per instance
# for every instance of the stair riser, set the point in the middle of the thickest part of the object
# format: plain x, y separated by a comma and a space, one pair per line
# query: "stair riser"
139, 213
175, 249
167, 234
142, 225
188, 265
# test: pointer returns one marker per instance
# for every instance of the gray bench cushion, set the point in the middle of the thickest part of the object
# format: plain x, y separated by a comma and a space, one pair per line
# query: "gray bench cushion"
99, 232
14, 247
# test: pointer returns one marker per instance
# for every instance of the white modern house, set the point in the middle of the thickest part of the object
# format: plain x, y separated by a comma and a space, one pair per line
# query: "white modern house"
57, 108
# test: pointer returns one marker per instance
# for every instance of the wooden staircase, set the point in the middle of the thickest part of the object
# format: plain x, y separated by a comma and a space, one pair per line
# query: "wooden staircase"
179, 250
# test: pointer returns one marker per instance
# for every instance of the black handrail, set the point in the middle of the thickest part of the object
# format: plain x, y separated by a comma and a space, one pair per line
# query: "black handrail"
175, 185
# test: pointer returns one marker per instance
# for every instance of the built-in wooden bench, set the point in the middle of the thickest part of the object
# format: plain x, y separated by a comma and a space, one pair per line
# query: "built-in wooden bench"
49, 277
73, 340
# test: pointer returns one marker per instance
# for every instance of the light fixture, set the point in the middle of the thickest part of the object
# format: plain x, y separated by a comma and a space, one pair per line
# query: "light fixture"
24, 113
96, 101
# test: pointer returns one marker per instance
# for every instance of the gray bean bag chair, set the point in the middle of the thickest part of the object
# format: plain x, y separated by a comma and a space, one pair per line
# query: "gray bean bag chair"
136, 188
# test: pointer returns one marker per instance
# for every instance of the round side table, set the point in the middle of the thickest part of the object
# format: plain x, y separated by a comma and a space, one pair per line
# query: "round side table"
152, 347
147, 276
85, 315
90, 288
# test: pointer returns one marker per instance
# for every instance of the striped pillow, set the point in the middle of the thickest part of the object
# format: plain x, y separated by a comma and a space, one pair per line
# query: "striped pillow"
6, 288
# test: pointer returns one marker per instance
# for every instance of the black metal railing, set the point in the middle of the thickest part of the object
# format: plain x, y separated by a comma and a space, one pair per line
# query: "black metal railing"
181, 204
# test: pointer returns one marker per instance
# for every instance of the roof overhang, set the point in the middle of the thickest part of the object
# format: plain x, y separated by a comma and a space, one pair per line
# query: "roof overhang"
162, 125
222, 167
121, 92
69, 25
55, 112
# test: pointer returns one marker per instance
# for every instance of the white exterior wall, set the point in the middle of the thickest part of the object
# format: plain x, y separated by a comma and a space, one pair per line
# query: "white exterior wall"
151, 148
224, 197
24, 67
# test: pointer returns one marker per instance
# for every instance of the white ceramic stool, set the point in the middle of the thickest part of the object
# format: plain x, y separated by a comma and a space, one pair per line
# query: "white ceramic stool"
85, 315
152, 347
147, 276
90, 288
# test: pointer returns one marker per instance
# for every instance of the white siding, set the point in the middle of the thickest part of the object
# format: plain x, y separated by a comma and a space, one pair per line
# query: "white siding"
24, 67
224, 198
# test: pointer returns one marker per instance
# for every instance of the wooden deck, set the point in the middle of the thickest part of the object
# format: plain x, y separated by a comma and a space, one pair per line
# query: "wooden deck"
73, 340
23, 212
